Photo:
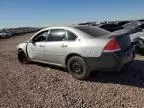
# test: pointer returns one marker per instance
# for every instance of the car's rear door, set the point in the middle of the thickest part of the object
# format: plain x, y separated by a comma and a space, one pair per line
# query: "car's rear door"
56, 46
35, 48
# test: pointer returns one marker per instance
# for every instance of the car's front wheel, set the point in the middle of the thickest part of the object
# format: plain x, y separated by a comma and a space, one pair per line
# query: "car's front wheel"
78, 68
22, 58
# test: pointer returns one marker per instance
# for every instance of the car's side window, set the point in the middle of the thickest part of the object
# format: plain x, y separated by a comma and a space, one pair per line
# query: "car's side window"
57, 35
41, 37
71, 36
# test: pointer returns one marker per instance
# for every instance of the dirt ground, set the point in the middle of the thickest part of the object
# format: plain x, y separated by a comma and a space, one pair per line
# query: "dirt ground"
42, 86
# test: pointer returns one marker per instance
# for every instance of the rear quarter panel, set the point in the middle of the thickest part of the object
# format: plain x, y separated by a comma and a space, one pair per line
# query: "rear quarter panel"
96, 46
88, 48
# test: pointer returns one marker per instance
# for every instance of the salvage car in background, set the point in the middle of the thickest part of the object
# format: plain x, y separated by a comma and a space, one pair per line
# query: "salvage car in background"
9, 32
133, 26
5, 35
138, 40
136, 31
111, 27
81, 49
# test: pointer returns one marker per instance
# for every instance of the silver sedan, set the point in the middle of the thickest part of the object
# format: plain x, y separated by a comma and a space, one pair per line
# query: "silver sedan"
81, 49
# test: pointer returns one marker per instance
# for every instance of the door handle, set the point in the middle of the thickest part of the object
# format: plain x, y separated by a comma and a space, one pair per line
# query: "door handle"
63, 45
41, 45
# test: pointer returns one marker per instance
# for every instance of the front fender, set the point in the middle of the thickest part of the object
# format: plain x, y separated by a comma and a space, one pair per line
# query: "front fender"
22, 46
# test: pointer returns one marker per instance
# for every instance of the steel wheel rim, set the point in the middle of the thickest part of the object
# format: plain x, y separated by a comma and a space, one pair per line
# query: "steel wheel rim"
76, 67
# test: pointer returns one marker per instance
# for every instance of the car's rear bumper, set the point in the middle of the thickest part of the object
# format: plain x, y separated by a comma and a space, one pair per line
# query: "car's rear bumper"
110, 61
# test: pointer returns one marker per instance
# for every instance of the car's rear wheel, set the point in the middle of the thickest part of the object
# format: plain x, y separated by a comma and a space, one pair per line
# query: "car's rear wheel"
78, 68
22, 58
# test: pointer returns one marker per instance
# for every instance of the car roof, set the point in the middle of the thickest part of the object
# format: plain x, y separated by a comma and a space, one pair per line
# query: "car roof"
74, 29
70, 28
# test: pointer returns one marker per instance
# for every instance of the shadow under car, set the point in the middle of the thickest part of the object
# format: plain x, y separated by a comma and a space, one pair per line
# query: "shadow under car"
132, 74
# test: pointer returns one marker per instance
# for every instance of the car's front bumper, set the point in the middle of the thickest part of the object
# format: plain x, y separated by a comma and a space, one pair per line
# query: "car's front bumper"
110, 61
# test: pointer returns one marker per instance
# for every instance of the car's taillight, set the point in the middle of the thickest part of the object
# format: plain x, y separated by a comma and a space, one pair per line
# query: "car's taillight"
112, 46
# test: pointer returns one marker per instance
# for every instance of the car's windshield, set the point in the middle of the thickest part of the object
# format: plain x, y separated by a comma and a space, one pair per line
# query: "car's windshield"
93, 31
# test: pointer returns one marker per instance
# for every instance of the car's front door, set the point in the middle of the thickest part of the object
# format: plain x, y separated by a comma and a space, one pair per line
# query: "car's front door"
56, 47
36, 46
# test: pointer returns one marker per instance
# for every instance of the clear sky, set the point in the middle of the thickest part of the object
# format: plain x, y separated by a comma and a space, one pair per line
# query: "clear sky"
15, 13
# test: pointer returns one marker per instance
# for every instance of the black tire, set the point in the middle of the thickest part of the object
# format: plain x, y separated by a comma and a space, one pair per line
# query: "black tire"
78, 68
22, 58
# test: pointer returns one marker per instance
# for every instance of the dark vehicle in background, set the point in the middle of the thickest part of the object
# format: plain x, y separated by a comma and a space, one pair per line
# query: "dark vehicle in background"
122, 22
131, 26
136, 31
139, 46
5, 35
111, 27
142, 26
138, 40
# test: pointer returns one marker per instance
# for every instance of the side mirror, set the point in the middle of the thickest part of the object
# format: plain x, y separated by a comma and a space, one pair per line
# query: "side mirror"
31, 41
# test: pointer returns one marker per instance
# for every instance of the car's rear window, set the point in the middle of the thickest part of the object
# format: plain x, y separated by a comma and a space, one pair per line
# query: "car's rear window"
93, 31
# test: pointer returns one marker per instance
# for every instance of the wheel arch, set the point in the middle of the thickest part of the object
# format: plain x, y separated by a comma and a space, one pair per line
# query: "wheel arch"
71, 55
20, 49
